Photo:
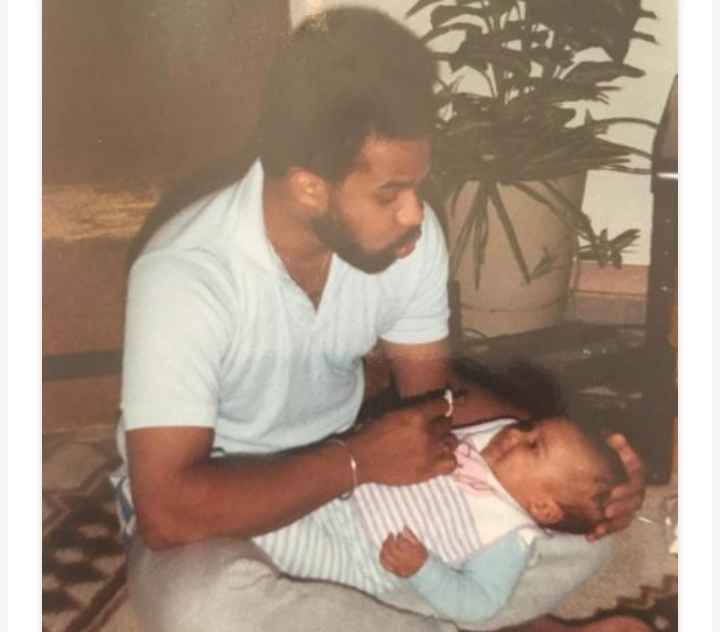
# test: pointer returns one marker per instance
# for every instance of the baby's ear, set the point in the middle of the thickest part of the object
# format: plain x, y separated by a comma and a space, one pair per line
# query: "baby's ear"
546, 511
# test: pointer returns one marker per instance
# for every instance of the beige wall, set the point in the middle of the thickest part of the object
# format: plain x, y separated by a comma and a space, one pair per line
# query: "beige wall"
141, 91
616, 201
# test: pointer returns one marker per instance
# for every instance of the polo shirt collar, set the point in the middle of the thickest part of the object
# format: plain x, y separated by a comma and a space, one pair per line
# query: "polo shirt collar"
252, 236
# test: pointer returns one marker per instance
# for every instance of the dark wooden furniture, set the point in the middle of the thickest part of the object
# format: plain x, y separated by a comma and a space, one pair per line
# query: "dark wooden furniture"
659, 404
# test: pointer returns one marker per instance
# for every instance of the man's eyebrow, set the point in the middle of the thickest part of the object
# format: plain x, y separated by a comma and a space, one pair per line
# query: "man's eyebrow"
397, 184
403, 184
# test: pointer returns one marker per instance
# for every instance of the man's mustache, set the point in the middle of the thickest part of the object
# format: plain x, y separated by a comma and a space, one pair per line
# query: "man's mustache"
412, 235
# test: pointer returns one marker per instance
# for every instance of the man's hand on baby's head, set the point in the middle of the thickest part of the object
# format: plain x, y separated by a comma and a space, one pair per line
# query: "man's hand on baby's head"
403, 554
625, 499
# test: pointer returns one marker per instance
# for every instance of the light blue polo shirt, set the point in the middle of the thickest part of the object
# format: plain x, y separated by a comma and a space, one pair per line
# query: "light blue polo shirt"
218, 335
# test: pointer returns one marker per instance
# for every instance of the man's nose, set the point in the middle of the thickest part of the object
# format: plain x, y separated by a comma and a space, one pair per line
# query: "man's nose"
411, 213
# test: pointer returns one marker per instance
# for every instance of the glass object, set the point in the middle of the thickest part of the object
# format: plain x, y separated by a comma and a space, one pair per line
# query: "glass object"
669, 513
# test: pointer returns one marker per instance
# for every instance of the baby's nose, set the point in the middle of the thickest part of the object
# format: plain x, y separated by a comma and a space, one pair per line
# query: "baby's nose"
516, 436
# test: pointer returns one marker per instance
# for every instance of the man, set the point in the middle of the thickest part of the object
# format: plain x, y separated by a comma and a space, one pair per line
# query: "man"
248, 316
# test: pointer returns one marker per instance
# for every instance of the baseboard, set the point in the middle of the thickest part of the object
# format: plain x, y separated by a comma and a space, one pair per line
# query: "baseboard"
80, 403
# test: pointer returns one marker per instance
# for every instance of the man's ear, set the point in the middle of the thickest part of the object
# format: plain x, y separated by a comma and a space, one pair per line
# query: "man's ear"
309, 191
546, 511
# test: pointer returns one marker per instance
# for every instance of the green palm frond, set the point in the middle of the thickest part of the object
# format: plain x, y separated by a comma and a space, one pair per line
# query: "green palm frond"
523, 127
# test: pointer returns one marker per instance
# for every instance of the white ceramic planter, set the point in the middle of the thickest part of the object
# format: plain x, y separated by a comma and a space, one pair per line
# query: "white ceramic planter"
504, 303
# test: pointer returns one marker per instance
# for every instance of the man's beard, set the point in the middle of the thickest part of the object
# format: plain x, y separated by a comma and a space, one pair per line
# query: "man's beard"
335, 233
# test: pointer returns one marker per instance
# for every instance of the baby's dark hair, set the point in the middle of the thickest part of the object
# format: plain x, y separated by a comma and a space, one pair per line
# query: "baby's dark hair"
576, 518
345, 75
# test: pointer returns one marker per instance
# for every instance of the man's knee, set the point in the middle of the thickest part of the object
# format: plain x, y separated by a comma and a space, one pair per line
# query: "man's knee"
564, 548
195, 588
568, 561
601, 551
562, 565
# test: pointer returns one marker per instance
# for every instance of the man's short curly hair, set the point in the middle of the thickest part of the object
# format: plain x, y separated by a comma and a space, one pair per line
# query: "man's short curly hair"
346, 74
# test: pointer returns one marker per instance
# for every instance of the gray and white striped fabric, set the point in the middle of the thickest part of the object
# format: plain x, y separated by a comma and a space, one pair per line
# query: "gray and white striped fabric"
328, 544
341, 540
437, 511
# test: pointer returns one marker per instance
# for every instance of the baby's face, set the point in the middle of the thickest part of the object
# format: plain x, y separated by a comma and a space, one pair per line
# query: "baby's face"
550, 458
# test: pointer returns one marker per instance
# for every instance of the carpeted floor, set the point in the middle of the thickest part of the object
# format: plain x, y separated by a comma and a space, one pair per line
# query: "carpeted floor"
83, 560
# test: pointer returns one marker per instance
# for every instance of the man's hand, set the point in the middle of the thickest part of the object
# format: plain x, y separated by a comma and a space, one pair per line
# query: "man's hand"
403, 554
406, 446
625, 499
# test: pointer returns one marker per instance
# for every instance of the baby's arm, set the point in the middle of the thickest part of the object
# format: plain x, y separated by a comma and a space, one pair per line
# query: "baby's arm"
475, 592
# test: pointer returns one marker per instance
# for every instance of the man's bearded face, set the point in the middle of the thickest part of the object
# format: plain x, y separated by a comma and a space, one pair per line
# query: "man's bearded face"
338, 235
374, 214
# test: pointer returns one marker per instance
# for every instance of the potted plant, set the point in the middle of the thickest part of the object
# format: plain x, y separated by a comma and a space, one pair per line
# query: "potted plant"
510, 156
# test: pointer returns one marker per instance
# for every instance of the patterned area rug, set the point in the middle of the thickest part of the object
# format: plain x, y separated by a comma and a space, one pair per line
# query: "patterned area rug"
657, 607
84, 565
83, 562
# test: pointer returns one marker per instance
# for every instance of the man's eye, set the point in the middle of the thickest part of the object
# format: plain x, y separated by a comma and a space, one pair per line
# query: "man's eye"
386, 200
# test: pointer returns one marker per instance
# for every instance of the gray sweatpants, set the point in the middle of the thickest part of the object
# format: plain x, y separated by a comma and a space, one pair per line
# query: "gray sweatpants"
229, 585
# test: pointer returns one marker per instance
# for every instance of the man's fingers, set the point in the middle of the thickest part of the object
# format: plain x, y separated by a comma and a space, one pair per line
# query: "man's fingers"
626, 505
632, 462
440, 427
618, 514
434, 408
631, 493
625, 499
445, 444
598, 532
445, 460
609, 526
631, 488
451, 442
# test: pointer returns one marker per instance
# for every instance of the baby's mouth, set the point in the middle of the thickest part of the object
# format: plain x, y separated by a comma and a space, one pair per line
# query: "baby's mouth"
491, 450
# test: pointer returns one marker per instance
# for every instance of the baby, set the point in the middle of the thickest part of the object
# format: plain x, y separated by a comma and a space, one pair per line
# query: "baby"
521, 481
462, 542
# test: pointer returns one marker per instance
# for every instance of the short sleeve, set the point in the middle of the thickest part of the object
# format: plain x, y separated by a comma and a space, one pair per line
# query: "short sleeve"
424, 317
177, 331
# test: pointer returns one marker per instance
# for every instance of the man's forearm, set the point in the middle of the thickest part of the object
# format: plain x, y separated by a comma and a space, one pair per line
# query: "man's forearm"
241, 497
181, 495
